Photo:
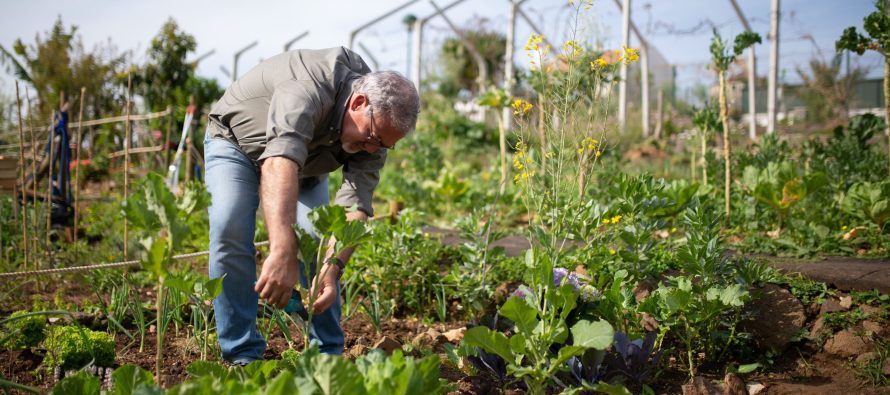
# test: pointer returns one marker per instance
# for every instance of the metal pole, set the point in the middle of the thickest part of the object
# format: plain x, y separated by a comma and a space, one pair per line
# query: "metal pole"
622, 85
644, 73
33, 174
506, 113
644, 85
238, 55
752, 101
370, 56
773, 67
295, 39
355, 32
207, 54
417, 42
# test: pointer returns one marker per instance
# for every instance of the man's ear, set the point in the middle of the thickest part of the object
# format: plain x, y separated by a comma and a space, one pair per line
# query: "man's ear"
358, 100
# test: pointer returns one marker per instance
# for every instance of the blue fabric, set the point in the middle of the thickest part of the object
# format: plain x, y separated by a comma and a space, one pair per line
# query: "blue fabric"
233, 184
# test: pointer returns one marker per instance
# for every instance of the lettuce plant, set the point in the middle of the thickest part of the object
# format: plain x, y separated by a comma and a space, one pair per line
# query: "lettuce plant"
22, 330
73, 347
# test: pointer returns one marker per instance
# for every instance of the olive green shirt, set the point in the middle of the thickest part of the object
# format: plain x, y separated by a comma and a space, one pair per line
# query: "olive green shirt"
292, 105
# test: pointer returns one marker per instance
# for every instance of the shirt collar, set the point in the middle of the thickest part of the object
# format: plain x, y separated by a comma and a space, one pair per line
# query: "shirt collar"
342, 100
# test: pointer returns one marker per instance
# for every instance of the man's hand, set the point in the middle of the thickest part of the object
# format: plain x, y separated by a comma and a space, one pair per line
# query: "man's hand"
277, 279
326, 290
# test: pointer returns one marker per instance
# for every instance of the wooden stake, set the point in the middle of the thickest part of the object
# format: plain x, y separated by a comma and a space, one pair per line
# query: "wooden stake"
49, 186
170, 123
25, 249
127, 161
33, 174
726, 144
77, 143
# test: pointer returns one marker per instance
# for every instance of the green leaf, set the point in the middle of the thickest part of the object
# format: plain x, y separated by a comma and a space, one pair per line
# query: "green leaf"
283, 384
157, 258
337, 376
207, 369
734, 295
519, 311
748, 368
596, 335
213, 288
489, 340
128, 377
567, 352
81, 383
609, 389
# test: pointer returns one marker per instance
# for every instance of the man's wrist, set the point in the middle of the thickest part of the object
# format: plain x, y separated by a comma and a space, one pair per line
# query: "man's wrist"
338, 263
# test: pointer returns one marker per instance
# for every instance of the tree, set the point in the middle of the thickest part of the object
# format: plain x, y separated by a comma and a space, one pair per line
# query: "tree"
58, 63
460, 71
877, 26
722, 58
826, 93
166, 72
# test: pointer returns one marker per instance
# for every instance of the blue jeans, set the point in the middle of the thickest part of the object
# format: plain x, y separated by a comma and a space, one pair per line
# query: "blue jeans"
233, 184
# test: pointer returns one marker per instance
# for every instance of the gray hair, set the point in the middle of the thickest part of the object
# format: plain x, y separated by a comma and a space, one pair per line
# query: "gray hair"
392, 96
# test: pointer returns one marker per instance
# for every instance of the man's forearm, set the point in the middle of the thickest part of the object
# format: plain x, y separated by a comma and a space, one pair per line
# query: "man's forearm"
279, 189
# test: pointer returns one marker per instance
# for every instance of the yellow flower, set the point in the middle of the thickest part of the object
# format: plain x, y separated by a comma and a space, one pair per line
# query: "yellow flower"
606, 221
612, 251
616, 219
521, 107
630, 55
598, 64
844, 227
534, 42
674, 230
571, 49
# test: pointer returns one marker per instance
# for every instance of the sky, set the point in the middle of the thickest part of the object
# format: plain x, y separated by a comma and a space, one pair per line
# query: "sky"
679, 29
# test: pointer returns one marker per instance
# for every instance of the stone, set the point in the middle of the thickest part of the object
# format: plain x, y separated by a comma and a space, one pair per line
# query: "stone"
423, 340
437, 336
817, 327
871, 310
778, 317
846, 344
387, 344
886, 369
357, 351
455, 335
874, 327
700, 386
733, 385
831, 306
867, 357
846, 302
755, 388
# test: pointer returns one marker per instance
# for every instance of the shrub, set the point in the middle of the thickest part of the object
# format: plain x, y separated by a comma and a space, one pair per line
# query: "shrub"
73, 347
24, 332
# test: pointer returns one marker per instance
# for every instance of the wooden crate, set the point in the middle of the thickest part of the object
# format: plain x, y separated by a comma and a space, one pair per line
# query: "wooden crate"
9, 166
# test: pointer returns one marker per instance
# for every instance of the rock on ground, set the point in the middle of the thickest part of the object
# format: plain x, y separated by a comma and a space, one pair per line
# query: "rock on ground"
778, 317
846, 344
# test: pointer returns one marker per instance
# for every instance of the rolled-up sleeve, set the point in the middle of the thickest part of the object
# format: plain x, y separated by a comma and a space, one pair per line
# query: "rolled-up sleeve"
294, 111
360, 177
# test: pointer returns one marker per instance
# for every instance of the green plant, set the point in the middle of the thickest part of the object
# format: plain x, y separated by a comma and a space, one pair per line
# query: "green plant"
22, 330
873, 297
161, 219
73, 347
781, 187
869, 202
539, 317
707, 121
877, 26
722, 58
871, 372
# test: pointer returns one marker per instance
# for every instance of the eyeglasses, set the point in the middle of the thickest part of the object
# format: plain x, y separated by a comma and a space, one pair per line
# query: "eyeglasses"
373, 138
